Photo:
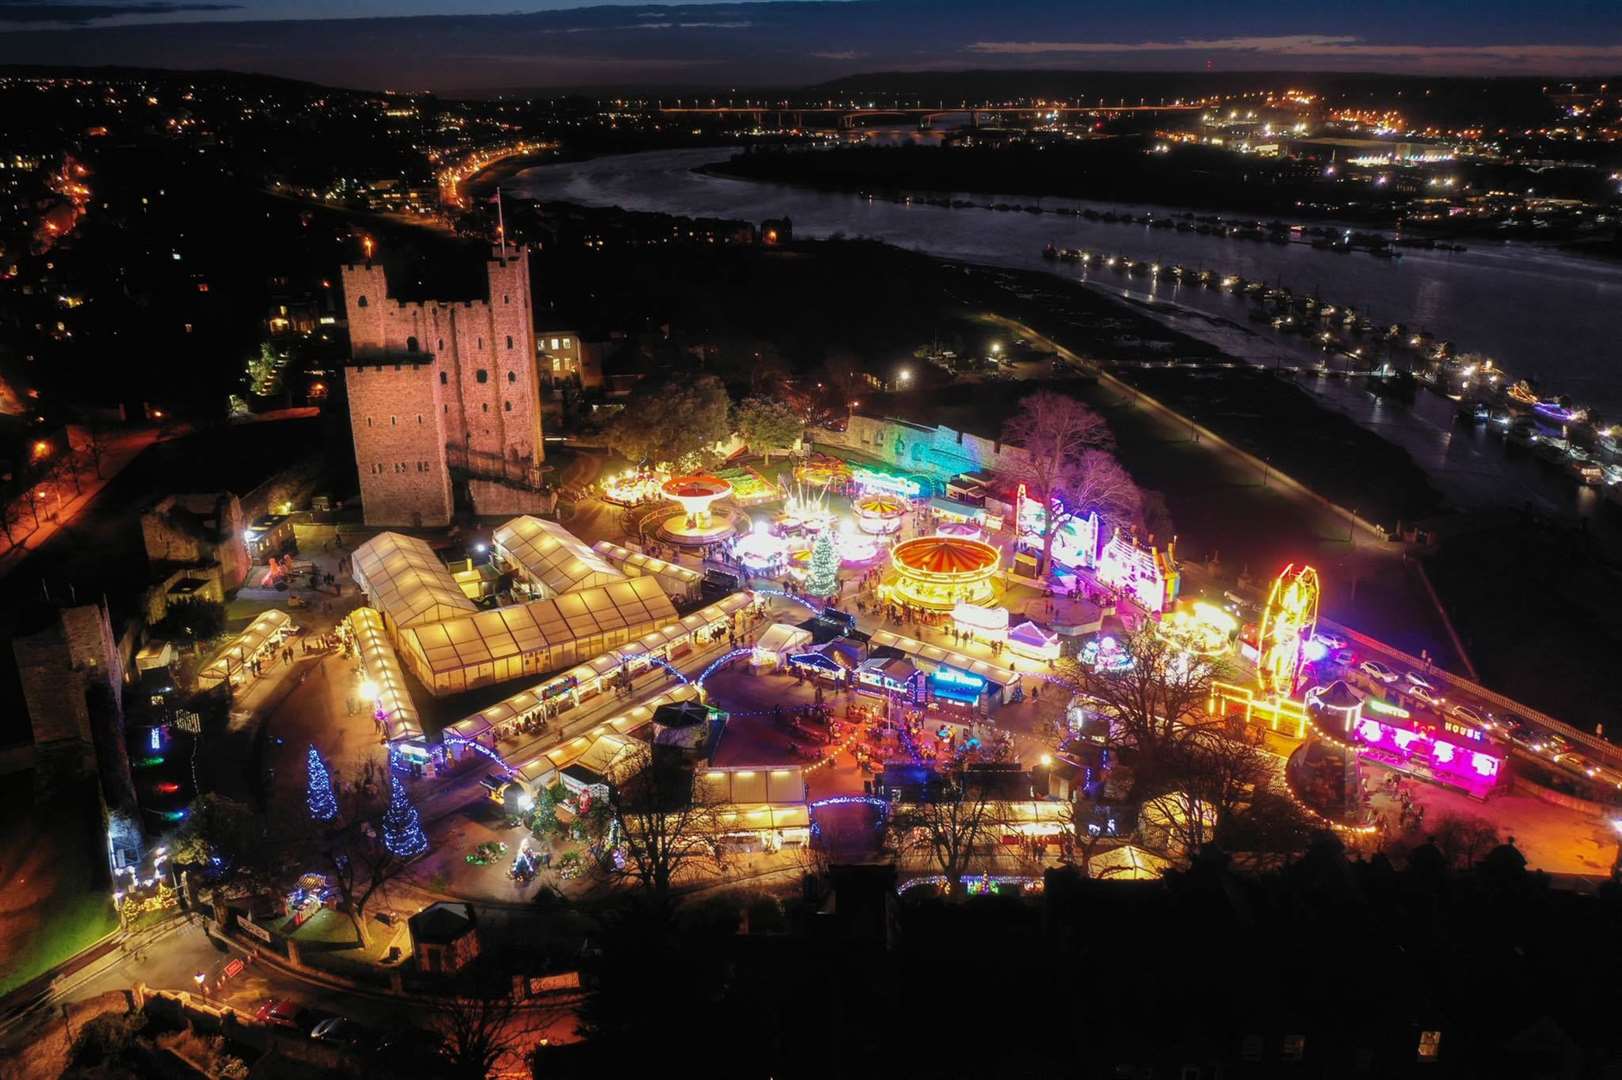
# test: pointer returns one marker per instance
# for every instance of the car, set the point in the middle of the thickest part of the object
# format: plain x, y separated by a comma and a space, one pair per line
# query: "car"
1469, 716
341, 1029
1413, 678
1332, 642
1425, 694
1376, 670
279, 1012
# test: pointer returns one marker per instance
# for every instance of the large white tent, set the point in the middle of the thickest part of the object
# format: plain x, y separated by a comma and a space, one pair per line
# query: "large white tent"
530, 639
406, 582
550, 558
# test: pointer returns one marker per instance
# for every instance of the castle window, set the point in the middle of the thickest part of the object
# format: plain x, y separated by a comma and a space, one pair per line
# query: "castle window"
565, 343
443, 379
397, 367
482, 375
441, 344
368, 421
361, 302
508, 406
478, 343
411, 344
509, 341
447, 409
394, 421
512, 376
486, 406
419, 419
505, 298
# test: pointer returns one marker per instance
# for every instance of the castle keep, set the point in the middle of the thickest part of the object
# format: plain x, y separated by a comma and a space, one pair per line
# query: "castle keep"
443, 391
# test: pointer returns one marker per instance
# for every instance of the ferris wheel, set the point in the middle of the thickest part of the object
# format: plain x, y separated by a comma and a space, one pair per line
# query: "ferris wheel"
1288, 622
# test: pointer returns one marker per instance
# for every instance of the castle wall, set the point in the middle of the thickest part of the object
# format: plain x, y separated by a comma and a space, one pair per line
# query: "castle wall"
395, 413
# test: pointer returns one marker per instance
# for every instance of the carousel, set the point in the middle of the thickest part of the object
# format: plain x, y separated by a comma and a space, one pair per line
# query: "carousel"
880, 515
699, 521
941, 572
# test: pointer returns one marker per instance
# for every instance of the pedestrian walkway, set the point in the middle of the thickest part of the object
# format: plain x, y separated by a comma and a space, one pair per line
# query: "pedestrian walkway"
117, 454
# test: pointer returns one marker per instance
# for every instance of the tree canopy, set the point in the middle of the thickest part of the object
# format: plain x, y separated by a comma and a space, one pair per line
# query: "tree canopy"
768, 424
675, 422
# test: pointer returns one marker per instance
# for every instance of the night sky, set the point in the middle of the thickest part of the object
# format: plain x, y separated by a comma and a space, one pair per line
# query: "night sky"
471, 44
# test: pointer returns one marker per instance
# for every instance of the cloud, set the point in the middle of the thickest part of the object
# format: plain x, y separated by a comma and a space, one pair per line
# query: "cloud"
1292, 43
848, 54
42, 11
1334, 46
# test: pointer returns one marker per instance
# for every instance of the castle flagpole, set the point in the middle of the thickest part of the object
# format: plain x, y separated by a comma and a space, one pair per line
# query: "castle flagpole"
501, 226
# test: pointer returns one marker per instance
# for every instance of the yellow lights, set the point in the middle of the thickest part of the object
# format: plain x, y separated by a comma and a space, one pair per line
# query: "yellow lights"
1281, 714
1200, 628
1288, 621
41, 449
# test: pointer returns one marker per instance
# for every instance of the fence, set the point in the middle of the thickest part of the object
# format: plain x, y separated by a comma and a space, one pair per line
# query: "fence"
1612, 755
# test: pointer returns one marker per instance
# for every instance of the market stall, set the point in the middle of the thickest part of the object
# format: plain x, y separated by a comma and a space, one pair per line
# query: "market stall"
235, 661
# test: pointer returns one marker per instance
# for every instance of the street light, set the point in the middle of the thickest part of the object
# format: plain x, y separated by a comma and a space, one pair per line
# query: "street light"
370, 692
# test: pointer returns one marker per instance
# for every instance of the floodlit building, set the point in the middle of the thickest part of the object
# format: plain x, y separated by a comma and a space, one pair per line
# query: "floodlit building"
442, 388
679, 582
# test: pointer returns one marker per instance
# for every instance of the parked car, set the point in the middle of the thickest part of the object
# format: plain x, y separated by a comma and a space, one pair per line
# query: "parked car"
1425, 694
1376, 670
1470, 716
341, 1029
1332, 642
279, 1012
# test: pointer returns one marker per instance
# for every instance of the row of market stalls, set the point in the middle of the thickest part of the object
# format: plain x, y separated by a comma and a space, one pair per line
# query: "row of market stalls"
599, 749
679, 582
235, 662
562, 693
382, 679
898, 664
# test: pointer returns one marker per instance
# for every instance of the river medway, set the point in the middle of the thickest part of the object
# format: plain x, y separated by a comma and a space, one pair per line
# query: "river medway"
1537, 312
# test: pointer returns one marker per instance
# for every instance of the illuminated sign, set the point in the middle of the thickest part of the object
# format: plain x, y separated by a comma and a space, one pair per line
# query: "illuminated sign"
953, 677
1387, 708
872, 480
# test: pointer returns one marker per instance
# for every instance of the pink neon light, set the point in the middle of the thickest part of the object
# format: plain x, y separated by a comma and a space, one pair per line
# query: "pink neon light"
1371, 731
1443, 751
1485, 764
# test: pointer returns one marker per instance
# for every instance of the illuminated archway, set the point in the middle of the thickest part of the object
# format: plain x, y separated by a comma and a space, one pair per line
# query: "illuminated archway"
1288, 622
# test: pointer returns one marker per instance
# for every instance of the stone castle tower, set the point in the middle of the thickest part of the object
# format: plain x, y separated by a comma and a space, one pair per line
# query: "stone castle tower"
440, 388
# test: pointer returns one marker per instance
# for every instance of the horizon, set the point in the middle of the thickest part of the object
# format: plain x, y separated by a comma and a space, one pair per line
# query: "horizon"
379, 44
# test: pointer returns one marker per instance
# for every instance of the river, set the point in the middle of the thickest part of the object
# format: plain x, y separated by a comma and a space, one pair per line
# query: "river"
1536, 311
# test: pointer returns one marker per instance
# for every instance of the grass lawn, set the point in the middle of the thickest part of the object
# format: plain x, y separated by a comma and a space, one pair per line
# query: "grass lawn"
53, 859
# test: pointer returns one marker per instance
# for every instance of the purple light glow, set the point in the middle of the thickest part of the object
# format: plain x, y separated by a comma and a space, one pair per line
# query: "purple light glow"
1474, 770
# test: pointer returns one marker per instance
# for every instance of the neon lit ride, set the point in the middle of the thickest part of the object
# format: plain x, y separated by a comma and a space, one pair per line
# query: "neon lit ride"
805, 511
855, 548
760, 552
1145, 574
880, 515
1200, 628
1075, 541
1288, 622
632, 488
940, 572
983, 623
698, 522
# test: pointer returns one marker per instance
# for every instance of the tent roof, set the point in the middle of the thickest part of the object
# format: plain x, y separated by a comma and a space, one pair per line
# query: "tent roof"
551, 556
382, 667
644, 563
781, 636
636, 605
406, 581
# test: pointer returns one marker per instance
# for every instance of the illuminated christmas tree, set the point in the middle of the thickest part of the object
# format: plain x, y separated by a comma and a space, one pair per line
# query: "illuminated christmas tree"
318, 789
822, 578
402, 829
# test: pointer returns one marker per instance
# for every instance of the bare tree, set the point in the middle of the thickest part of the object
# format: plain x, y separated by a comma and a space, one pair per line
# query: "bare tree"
1150, 704
1055, 431
483, 1035
1098, 483
667, 821
947, 821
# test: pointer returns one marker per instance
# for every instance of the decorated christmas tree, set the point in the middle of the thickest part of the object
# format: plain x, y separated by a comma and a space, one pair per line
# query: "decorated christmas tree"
318, 789
822, 578
402, 830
